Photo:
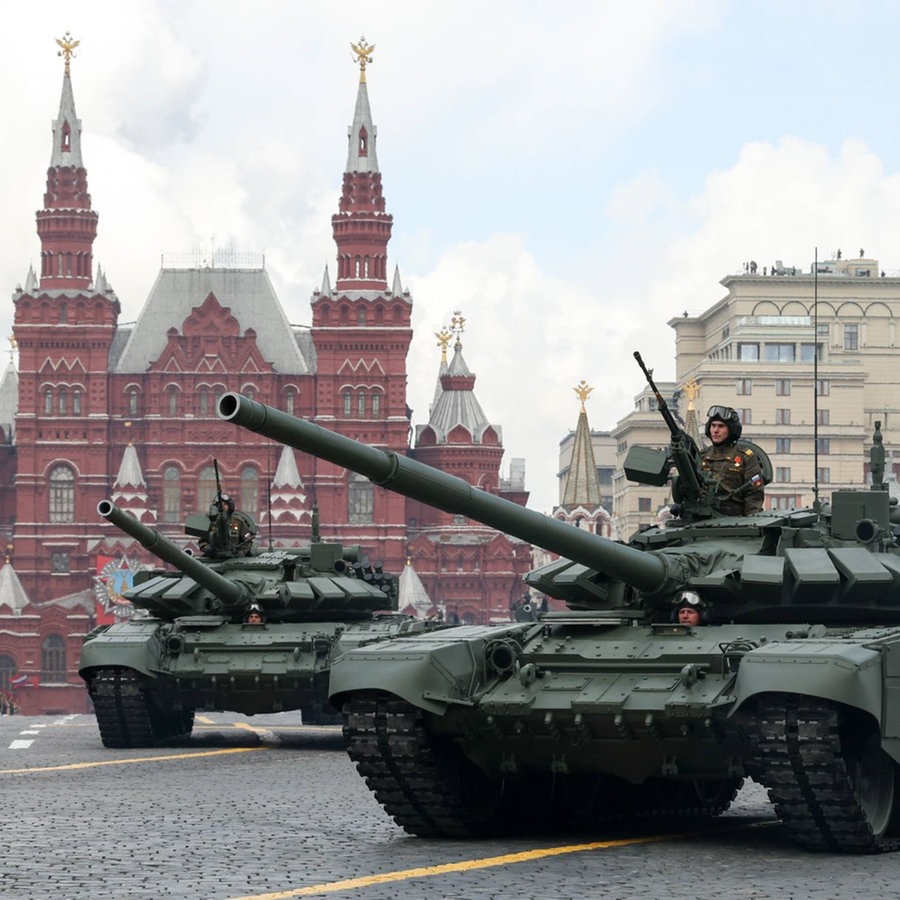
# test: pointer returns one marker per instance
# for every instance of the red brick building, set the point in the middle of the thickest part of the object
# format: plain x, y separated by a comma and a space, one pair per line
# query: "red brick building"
96, 408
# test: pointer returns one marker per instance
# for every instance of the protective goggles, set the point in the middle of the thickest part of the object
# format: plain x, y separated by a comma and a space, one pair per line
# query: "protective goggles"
725, 413
688, 598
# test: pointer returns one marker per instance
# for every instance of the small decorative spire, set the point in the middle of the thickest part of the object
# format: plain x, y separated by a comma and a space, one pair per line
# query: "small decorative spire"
458, 326
582, 391
68, 46
363, 52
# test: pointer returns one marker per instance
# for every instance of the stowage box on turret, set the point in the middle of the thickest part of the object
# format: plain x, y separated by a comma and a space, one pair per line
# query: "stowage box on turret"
791, 676
235, 629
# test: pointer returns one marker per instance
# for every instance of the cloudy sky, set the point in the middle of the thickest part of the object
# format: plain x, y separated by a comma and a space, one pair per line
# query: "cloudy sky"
570, 175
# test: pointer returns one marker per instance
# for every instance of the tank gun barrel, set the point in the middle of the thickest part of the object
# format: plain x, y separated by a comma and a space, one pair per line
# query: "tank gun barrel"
645, 571
229, 592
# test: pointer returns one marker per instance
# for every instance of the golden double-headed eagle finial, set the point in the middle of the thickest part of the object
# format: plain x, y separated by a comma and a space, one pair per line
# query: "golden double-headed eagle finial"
363, 51
444, 336
582, 391
67, 45
691, 391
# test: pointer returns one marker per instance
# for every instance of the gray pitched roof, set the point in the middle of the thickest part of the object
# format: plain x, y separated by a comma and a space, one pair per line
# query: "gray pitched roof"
248, 293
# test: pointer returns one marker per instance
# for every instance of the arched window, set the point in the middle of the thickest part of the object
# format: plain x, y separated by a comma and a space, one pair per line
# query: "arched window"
172, 494
48, 401
360, 500
53, 659
7, 670
361, 403
63, 313
290, 401
361, 316
63, 401
249, 491
348, 402
206, 487
62, 494
203, 401
376, 404
76, 402
132, 401
173, 400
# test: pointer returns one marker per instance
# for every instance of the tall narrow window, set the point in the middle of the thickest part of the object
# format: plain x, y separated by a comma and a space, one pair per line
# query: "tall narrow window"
360, 500
361, 403
203, 402
62, 494
63, 402
48, 401
851, 337
53, 659
173, 400
172, 494
249, 491
76, 403
206, 487
132, 402
348, 402
376, 404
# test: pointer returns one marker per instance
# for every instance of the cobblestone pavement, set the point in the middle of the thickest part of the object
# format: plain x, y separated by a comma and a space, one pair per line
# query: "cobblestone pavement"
262, 807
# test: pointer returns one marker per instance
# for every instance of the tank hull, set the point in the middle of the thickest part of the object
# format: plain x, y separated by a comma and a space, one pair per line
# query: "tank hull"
659, 719
147, 677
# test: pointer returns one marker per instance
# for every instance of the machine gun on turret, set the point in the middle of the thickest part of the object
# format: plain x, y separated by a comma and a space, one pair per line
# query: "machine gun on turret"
693, 490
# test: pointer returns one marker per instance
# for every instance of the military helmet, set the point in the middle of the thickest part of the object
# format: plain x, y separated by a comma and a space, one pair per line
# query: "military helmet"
727, 415
691, 600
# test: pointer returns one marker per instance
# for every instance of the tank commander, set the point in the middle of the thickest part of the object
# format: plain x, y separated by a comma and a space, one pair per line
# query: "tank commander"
691, 609
231, 531
734, 465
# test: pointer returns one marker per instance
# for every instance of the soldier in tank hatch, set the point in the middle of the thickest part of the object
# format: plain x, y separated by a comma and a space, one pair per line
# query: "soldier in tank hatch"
734, 464
691, 609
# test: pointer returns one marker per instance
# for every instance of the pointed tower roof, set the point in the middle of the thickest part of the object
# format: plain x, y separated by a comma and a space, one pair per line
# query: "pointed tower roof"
67, 126
582, 485
361, 156
691, 424
414, 598
9, 402
12, 594
456, 404
130, 490
362, 228
288, 500
67, 225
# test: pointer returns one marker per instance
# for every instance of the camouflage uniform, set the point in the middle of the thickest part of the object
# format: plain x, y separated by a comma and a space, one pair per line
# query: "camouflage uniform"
733, 465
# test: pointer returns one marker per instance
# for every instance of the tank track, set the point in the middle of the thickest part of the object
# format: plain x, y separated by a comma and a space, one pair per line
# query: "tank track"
430, 790
803, 762
125, 714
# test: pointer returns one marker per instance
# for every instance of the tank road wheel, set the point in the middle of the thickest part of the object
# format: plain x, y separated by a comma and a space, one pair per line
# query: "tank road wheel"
832, 785
715, 795
425, 783
123, 713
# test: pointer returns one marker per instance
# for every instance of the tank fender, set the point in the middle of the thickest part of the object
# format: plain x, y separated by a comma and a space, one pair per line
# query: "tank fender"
428, 671
132, 645
839, 671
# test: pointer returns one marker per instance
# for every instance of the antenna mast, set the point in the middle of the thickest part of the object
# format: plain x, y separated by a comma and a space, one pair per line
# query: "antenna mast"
816, 382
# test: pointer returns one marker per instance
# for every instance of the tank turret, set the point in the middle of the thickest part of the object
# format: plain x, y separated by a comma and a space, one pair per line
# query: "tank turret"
231, 629
625, 704
226, 593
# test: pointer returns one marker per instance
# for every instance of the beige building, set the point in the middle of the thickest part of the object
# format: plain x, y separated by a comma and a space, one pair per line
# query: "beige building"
755, 350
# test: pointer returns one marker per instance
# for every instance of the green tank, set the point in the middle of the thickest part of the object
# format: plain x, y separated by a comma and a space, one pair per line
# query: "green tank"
234, 629
614, 708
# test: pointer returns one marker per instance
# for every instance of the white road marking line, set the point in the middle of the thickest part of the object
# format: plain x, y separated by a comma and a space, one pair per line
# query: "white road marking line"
20, 745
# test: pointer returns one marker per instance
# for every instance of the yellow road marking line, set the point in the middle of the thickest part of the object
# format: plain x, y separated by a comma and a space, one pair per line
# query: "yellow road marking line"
124, 762
469, 865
